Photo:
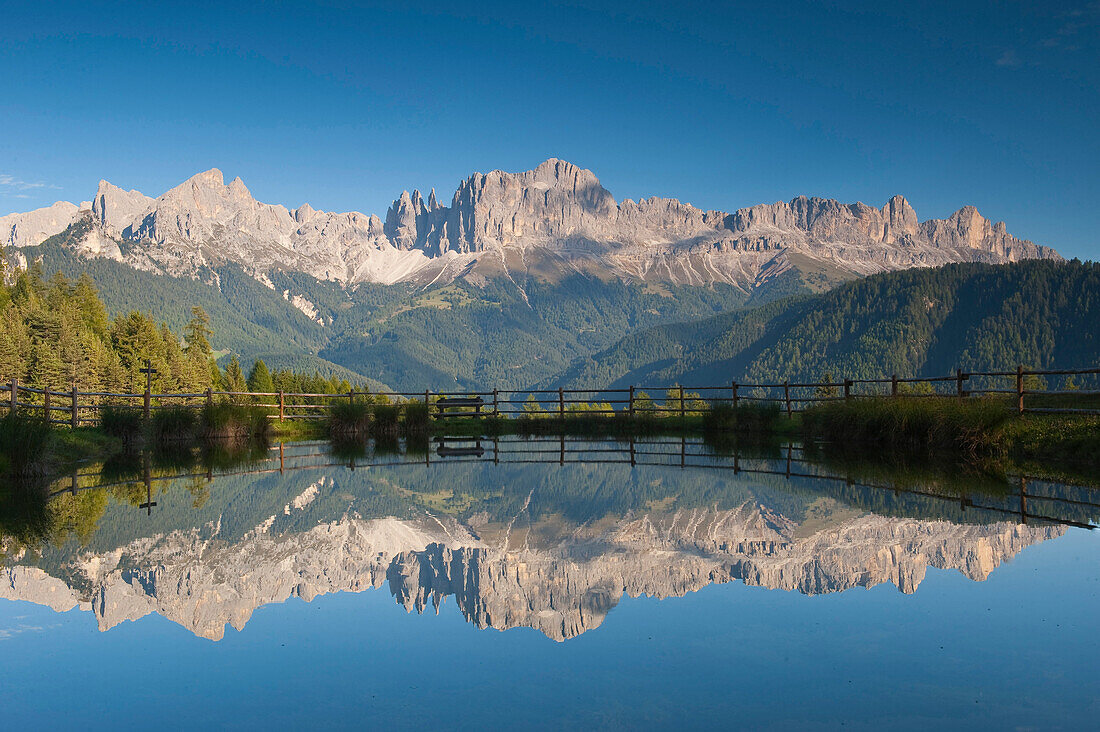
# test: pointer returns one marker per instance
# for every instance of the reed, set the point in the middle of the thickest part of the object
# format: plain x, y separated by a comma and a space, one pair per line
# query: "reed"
417, 419
173, 424
26, 447
965, 426
349, 419
744, 419
122, 422
233, 423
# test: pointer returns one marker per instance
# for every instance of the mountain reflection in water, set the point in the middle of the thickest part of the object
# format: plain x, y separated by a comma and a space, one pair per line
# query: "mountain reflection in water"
546, 533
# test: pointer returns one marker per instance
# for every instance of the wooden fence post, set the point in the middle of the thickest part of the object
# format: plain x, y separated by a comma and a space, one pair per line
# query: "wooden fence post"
14, 409
631, 409
282, 411
1020, 389
893, 385
787, 396
682, 413
148, 402
561, 404
209, 397
351, 395
847, 388
427, 393
496, 403
74, 409
959, 383
734, 385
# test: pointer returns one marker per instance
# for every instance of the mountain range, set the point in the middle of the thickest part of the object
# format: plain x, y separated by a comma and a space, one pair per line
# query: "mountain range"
538, 546
522, 277
554, 219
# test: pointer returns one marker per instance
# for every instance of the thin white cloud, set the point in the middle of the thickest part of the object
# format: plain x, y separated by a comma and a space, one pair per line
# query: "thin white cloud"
8, 633
9, 183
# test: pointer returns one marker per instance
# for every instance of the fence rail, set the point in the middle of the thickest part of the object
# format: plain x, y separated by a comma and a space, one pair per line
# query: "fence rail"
84, 407
1026, 499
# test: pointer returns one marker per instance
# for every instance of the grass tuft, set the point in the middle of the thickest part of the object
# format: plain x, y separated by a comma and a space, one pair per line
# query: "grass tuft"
349, 419
122, 422
744, 419
26, 447
173, 424
233, 423
965, 426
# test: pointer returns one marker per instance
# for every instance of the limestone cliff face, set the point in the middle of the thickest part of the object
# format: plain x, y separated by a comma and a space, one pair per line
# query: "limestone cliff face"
116, 210
561, 586
34, 227
556, 217
562, 596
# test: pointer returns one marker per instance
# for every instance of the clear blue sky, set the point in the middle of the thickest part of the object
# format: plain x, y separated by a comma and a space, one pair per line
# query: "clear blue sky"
343, 105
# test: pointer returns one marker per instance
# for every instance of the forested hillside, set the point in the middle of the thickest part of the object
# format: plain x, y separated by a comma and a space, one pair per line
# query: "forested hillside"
499, 336
580, 330
914, 322
492, 333
56, 334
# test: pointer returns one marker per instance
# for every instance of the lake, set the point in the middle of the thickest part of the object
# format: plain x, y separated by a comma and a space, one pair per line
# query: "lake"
551, 583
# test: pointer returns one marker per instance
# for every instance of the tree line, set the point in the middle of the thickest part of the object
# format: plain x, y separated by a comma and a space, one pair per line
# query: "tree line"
57, 334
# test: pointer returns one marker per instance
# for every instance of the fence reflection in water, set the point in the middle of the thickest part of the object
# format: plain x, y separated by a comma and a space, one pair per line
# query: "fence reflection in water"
1022, 498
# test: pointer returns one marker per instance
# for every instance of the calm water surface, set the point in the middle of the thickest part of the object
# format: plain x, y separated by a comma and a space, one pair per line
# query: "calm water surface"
551, 583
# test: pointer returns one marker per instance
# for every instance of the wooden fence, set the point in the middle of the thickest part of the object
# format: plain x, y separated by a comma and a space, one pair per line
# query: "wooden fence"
1033, 499
75, 408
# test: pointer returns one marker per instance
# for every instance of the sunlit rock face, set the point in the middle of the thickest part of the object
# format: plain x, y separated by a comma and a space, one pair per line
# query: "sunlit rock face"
547, 222
561, 583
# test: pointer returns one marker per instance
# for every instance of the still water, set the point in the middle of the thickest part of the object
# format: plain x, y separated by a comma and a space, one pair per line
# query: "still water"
551, 583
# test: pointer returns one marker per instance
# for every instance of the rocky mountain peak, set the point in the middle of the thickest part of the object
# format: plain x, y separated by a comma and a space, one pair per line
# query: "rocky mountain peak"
562, 587
115, 209
207, 178
304, 213
557, 209
239, 189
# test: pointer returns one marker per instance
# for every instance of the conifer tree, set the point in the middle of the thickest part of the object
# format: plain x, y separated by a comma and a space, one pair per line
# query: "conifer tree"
259, 378
234, 377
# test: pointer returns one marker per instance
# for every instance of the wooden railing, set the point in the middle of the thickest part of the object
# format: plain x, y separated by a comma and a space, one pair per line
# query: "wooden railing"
1021, 386
1028, 502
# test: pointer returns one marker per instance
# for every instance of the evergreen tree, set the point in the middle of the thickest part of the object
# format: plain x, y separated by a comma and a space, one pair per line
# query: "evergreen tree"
198, 334
90, 307
259, 378
234, 377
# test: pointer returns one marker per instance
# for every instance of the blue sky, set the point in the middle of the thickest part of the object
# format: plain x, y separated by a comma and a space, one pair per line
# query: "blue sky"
343, 105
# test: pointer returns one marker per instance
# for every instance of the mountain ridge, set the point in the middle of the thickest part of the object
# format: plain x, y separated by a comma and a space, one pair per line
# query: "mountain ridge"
918, 322
550, 221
